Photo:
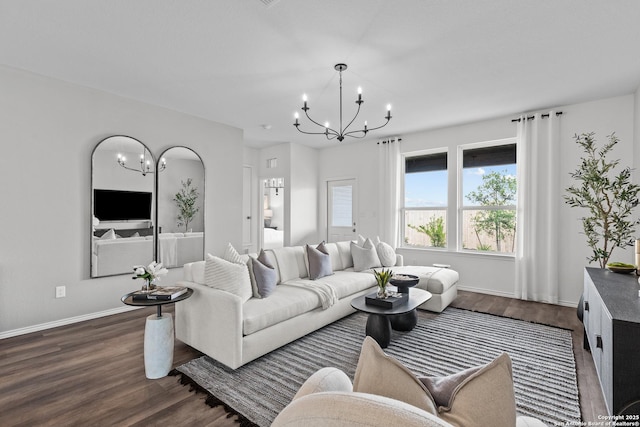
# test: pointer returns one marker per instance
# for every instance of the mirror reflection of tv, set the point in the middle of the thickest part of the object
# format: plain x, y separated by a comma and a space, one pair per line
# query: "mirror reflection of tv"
120, 205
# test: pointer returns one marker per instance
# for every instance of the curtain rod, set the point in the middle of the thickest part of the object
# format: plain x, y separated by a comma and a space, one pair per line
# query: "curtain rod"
389, 141
544, 116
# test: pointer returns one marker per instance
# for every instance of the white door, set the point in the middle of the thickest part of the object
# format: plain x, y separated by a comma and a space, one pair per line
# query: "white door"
342, 210
246, 207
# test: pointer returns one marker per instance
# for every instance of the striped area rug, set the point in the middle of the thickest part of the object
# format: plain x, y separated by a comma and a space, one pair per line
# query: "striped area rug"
543, 364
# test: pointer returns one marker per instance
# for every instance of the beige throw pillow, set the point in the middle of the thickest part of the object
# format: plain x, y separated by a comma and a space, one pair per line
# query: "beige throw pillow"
383, 375
477, 397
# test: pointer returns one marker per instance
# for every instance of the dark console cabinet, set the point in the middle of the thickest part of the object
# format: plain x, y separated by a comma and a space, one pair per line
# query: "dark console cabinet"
612, 333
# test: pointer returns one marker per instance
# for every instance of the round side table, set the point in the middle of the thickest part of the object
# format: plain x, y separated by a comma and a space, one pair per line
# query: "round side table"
158, 335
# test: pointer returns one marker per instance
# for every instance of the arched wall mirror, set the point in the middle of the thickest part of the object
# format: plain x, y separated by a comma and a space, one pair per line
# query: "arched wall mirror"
273, 213
180, 195
122, 206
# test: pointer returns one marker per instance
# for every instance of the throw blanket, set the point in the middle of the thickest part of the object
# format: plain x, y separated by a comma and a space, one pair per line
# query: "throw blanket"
325, 291
168, 249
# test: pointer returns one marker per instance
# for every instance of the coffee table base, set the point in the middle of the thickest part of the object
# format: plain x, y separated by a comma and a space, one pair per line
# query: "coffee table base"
379, 328
404, 322
379, 325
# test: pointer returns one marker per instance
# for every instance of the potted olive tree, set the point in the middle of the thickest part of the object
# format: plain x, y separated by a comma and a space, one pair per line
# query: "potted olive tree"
609, 199
186, 200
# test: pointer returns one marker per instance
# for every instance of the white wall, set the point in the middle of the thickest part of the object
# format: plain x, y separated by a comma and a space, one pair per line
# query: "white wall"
304, 195
480, 272
49, 129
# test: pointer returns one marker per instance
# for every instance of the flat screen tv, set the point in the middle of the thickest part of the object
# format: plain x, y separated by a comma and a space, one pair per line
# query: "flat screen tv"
119, 205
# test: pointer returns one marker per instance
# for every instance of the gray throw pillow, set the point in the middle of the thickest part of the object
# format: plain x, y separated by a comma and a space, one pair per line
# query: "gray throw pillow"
265, 275
319, 262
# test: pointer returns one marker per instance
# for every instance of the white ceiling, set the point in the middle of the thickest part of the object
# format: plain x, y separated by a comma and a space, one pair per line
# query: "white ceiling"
242, 63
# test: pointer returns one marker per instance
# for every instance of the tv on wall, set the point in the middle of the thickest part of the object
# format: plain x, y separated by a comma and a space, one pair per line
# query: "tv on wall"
119, 205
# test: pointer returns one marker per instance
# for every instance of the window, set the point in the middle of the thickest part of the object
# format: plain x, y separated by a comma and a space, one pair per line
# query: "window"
425, 200
488, 205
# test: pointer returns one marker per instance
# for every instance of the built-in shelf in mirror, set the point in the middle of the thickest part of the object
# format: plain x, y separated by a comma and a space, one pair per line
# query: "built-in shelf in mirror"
180, 192
122, 206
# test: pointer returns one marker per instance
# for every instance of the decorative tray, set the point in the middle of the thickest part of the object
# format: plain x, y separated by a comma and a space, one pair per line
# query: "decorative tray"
389, 302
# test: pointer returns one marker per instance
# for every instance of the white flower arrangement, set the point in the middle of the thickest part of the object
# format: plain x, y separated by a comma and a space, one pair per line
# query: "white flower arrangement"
149, 273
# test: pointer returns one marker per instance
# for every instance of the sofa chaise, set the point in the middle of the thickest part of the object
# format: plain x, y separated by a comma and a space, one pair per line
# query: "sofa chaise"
235, 329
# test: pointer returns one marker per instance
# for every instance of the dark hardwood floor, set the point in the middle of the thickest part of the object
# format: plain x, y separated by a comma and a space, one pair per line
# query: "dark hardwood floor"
92, 373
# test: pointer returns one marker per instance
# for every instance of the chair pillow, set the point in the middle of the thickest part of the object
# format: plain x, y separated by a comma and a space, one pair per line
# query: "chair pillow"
364, 257
264, 274
228, 276
319, 261
386, 254
479, 396
380, 374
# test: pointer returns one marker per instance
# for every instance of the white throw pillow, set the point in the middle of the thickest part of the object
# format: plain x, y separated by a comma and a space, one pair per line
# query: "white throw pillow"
231, 255
386, 254
364, 257
228, 276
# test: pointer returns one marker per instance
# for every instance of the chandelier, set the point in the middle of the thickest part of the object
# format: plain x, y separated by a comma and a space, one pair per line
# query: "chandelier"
340, 134
276, 183
145, 164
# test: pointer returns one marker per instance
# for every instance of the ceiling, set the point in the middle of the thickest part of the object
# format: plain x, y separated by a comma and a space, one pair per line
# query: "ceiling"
246, 63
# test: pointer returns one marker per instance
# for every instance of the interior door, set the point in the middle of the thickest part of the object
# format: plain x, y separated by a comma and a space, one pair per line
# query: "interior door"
342, 210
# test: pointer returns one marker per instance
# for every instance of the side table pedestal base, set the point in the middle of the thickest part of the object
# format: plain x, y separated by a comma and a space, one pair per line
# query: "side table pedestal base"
158, 346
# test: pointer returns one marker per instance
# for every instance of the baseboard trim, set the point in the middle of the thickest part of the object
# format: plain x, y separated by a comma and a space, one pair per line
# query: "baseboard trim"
508, 295
63, 322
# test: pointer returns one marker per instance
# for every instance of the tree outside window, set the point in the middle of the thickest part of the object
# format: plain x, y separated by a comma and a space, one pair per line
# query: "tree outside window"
489, 198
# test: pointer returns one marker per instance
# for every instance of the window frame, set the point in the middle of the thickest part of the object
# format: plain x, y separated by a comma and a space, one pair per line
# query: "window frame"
461, 208
404, 209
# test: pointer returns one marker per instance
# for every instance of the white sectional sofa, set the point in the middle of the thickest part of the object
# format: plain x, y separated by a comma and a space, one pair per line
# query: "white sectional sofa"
117, 256
219, 324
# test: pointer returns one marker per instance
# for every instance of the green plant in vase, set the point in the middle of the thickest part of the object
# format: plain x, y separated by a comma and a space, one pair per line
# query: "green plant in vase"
382, 279
609, 199
186, 200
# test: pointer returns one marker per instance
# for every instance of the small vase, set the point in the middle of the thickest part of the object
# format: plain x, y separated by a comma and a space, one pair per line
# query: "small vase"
382, 292
148, 285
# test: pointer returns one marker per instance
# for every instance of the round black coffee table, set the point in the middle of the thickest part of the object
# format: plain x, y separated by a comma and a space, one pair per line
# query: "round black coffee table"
381, 320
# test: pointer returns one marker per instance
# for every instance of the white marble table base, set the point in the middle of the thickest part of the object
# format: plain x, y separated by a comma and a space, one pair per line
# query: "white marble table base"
158, 346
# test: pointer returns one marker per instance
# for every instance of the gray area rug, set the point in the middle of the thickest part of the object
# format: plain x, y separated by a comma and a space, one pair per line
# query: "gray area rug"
543, 364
